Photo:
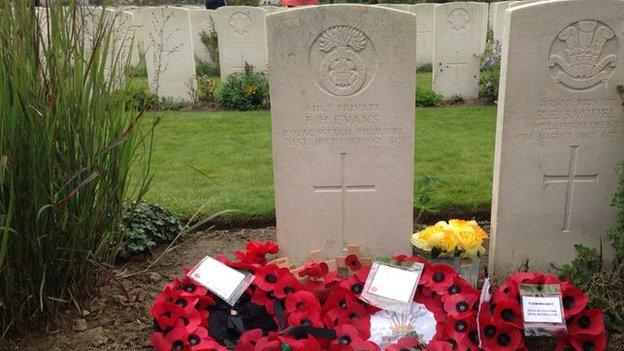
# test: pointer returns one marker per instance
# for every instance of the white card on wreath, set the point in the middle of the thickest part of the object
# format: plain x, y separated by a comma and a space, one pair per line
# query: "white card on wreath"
225, 282
394, 283
542, 309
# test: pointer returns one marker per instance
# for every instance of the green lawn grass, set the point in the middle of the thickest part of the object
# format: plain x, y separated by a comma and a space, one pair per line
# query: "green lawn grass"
222, 160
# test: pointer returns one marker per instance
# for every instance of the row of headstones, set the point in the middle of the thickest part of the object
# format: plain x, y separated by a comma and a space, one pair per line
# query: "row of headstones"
342, 109
454, 42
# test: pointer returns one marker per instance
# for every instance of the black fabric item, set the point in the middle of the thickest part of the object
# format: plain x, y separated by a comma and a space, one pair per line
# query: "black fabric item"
214, 4
226, 328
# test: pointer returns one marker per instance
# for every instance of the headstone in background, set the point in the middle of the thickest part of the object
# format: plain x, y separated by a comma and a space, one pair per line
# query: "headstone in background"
402, 7
560, 132
242, 38
272, 8
491, 15
201, 21
459, 41
342, 109
499, 18
424, 32
166, 34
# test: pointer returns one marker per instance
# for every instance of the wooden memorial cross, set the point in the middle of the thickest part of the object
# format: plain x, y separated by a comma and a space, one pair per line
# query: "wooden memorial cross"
343, 269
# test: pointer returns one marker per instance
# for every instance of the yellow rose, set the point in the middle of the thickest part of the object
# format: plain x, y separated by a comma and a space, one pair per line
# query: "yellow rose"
447, 237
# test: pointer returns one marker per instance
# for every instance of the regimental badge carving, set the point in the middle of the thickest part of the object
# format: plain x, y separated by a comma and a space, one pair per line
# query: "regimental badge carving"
459, 19
584, 55
240, 23
342, 60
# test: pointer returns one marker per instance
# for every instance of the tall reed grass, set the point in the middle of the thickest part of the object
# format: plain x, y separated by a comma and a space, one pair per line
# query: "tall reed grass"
70, 146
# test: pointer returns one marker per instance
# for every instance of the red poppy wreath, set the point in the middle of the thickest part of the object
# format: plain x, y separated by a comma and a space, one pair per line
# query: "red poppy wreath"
501, 324
316, 310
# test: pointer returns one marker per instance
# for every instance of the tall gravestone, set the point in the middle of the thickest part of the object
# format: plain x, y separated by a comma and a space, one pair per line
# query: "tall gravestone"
166, 34
499, 18
424, 32
342, 108
242, 38
201, 22
401, 7
560, 132
459, 40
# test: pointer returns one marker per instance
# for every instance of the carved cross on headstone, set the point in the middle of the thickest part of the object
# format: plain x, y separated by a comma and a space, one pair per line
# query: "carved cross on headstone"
352, 249
343, 188
570, 179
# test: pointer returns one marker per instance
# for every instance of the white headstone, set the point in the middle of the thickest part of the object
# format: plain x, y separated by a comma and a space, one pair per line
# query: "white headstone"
401, 7
342, 108
424, 32
459, 41
560, 132
201, 22
499, 18
166, 34
242, 38
491, 15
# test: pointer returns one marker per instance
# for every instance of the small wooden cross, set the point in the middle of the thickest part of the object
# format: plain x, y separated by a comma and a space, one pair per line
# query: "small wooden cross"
352, 249
315, 256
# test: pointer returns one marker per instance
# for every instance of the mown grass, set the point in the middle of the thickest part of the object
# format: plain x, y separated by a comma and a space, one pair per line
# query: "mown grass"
222, 160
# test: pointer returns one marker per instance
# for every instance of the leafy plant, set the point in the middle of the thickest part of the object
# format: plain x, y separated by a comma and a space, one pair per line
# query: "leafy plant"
138, 71
171, 104
244, 91
147, 224
206, 87
140, 99
69, 146
455, 100
206, 69
423, 188
424, 68
490, 70
616, 235
427, 98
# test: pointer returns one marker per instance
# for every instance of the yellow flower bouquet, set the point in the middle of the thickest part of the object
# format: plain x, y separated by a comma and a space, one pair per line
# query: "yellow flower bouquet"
457, 238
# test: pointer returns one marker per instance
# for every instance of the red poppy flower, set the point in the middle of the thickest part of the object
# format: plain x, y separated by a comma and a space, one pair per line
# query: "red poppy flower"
356, 316
309, 344
267, 277
507, 311
438, 277
353, 262
348, 339
302, 301
183, 338
458, 329
460, 305
250, 336
306, 318
460, 286
168, 314
252, 267
574, 300
266, 299
287, 284
411, 259
405, 343
587, 323
187, 287
353, 284
439, 346
255, 252
589, 342
500, 338
314, 270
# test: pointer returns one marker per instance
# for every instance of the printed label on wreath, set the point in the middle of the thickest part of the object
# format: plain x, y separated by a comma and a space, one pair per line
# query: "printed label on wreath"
223, 281
391, 287
542, 309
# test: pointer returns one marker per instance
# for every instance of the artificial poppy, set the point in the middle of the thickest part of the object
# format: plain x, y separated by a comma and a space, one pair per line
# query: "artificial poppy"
438, 277
302, 301
255, 252
502, 338
305, 318
168, 314
250, 337
266, 299
587, 342
353, 262
458, 329
348, 339
187, 287
459, 286
507, 311
460, 305
574, 300
353, 284
439, 345
173, 340
252, 267
411, 259
287, 284
267, 277
589, 322
358, 317
313, 269
405, 343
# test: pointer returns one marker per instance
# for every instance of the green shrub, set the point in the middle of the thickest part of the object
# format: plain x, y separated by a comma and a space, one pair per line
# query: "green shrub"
243, 2
424, 68
138, 71
244, 91
427, 98
206, 87
171, 104
455, 100
140, 99
206, 69
69, 147
616, 235
147, 224
490, 71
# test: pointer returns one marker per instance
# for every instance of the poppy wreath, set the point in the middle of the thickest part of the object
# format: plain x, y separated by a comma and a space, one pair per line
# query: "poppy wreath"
316, 311
501, 325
